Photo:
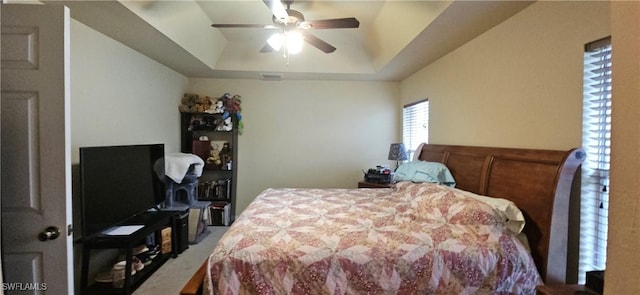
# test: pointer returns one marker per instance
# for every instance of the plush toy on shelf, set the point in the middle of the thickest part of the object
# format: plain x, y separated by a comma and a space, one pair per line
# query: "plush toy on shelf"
228, 105
214, 159
193, 103
232, 107
216, 108
225, 156
225, 125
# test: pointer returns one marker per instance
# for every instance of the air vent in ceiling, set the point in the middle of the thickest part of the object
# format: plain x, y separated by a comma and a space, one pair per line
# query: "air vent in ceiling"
271, 76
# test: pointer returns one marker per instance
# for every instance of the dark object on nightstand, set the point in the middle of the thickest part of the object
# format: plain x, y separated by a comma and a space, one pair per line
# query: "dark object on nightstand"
380, 174
595, 281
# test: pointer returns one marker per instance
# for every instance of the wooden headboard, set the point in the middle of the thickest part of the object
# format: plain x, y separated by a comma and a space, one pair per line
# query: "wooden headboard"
538, 181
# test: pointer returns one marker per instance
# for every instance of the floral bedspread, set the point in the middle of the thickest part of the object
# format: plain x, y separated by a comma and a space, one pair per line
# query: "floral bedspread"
410, 239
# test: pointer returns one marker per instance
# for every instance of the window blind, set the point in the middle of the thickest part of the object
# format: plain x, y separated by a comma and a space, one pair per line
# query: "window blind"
415, 125
596, 141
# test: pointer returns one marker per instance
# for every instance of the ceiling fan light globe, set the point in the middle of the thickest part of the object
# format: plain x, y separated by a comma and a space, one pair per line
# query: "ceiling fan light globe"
275, 41
294, 41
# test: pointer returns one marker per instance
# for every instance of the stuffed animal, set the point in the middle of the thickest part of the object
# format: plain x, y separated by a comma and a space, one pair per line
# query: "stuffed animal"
225, 156
225, 125
214, 159
188, 103
193, 103
203, 104
232, 103
215, 108
219, 109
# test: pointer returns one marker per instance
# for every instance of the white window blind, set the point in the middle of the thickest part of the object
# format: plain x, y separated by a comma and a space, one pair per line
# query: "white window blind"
415, 125
596, 141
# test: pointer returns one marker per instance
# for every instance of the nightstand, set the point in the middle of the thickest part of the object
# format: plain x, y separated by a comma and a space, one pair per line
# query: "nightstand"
364, 184
563, 290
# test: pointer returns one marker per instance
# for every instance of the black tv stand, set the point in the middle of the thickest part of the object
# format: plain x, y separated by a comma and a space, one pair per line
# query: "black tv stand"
152, 221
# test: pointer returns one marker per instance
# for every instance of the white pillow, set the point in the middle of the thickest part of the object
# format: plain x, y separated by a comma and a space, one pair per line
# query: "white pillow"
515, 218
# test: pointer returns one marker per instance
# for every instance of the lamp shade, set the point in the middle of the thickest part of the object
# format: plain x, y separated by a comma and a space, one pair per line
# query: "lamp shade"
397, 152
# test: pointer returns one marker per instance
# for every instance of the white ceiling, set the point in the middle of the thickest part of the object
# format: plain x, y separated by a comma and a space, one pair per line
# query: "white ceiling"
395, 38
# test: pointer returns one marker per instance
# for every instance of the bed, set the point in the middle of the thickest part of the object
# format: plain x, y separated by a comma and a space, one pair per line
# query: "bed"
411, 238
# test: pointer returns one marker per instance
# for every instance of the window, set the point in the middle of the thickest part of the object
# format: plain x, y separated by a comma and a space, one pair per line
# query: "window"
596, 140
415, 125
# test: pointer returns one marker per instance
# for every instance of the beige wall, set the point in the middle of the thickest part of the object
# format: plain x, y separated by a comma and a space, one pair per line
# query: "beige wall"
309, 133
119, 96
623, 257
518, 85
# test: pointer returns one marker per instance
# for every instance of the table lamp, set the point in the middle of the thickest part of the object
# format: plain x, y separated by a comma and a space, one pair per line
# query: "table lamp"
398, 153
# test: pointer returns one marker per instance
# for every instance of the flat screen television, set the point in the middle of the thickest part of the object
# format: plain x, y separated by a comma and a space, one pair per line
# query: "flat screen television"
119, 182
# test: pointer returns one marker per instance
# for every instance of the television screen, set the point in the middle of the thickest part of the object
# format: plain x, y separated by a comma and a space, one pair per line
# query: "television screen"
119, 182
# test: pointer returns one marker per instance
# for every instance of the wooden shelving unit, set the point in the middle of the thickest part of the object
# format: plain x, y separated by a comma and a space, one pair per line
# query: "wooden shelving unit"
218, 182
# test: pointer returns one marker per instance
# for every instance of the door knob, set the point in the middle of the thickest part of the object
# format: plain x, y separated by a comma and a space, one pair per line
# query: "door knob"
50, 233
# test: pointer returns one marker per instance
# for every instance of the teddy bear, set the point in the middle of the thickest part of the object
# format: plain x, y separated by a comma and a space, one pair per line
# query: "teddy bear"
214, 159
188, 103
193, 103
203, 104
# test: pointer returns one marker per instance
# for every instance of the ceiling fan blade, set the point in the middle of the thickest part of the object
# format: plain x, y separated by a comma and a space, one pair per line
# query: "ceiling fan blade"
266, 49
336, 23
317, 42
244, 26
277, 9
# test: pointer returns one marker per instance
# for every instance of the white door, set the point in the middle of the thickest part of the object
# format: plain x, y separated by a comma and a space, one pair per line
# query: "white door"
35, 149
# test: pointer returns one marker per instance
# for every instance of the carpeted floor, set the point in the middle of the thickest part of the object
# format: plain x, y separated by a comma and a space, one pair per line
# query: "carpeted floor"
172, 276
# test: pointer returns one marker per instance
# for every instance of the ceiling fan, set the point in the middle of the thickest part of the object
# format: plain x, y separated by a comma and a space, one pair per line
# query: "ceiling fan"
289, 20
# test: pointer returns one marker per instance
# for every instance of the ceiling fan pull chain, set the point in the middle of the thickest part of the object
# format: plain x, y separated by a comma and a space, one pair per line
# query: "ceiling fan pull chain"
285, 49
285, 54
288, 58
